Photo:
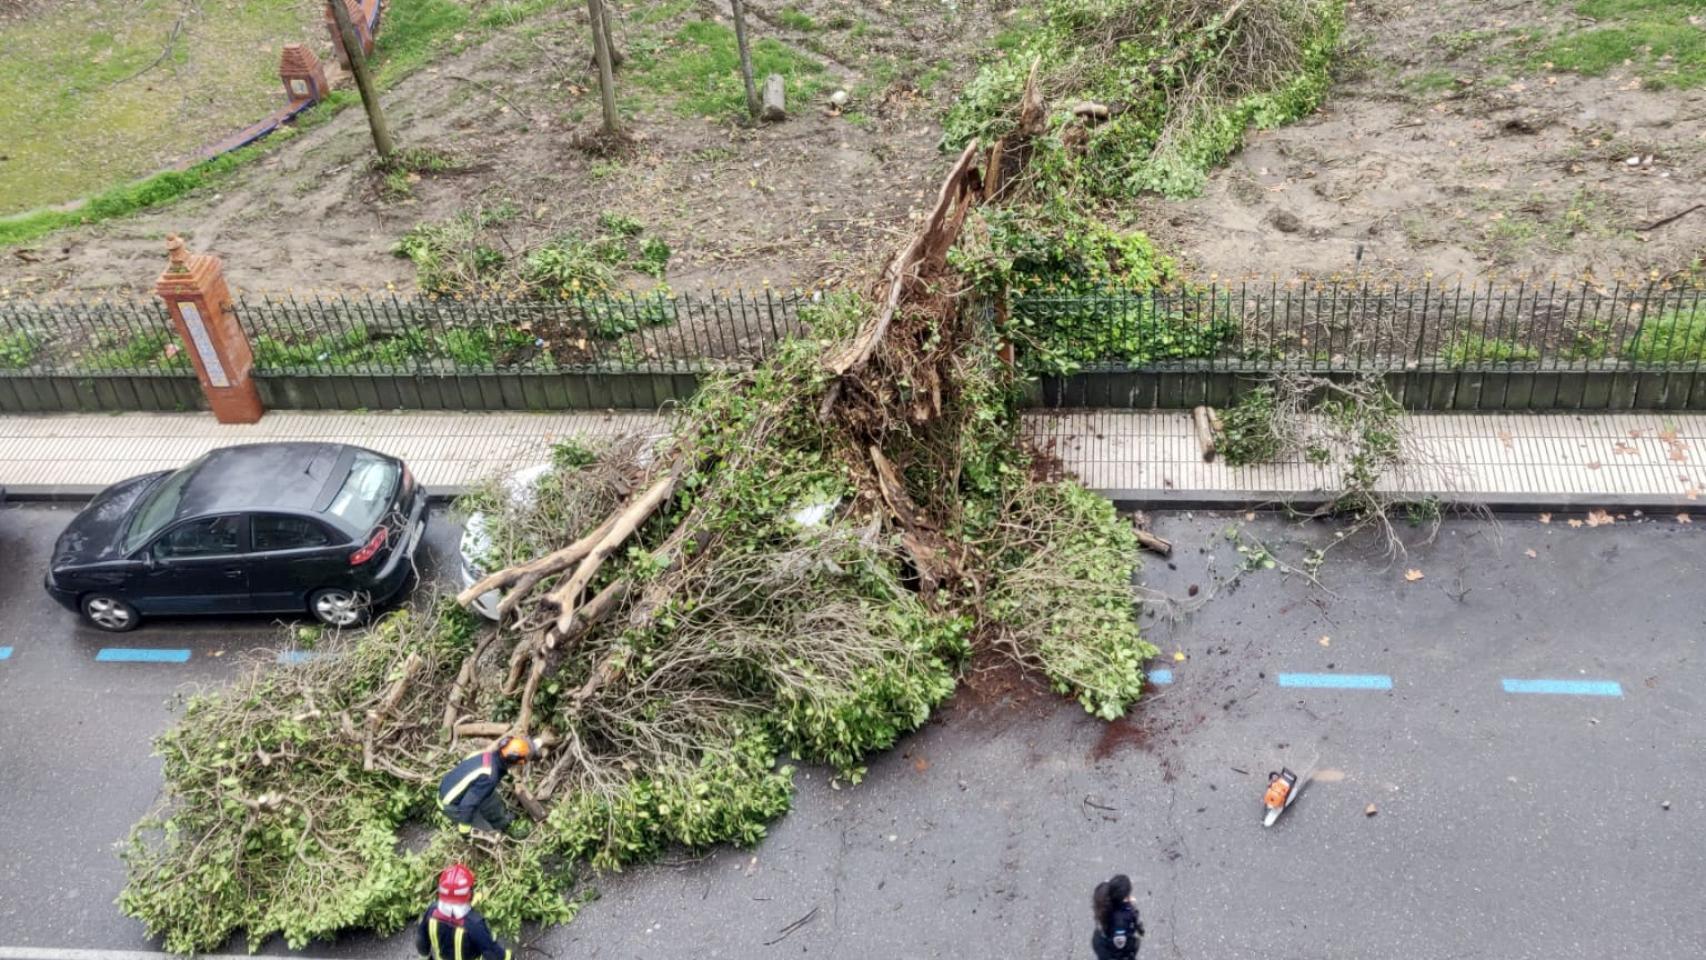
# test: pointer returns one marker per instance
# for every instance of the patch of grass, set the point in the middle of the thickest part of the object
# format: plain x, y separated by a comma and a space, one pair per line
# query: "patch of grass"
413, 33
123, 200
794, 18
1479, 348
1460, 43
1653, 39
148, 351
1430, 82
18, 349
699, 70
1673, 336
92, 93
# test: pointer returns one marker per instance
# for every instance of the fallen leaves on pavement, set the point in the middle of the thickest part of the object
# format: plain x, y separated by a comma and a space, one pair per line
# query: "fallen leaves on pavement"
1599, 518
1413, 575
1546, 518
1530, 552
1684, 518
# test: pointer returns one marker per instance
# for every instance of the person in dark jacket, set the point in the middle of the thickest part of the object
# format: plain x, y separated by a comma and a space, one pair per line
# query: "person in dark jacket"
468, 794
1118, 929
451, 929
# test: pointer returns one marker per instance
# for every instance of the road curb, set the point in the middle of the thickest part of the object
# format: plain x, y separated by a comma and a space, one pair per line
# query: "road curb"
1259, 500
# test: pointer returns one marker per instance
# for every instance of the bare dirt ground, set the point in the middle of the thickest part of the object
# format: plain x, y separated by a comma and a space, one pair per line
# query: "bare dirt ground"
790, 205
1439, 152
1442, 152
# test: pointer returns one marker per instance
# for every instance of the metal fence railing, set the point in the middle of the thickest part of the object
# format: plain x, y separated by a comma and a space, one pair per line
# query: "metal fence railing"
1324, 328
130, 337
1334, 328
645, 334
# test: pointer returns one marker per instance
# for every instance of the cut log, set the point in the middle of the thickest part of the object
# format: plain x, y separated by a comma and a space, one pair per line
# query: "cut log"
482, 729
1153, 543
566, 596
1203, 419
533, 807
1091, 110
775, 99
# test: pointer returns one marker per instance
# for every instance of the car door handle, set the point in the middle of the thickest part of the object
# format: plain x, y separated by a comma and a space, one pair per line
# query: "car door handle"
234, 573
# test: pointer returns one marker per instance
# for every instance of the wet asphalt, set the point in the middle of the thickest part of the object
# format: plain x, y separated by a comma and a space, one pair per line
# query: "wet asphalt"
1505, 825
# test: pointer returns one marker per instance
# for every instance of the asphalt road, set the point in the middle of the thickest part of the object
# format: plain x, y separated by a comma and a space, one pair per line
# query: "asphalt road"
1507, 825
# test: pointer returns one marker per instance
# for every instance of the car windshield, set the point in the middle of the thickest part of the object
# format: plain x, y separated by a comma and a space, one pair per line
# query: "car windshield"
366, 492
158, 508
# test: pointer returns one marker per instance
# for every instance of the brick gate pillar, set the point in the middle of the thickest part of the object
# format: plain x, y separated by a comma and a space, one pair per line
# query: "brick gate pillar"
358, 19
193, 287
304, 78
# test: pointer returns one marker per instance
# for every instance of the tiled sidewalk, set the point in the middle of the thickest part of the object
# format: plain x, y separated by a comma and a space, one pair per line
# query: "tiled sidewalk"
1136, 457
1511, 460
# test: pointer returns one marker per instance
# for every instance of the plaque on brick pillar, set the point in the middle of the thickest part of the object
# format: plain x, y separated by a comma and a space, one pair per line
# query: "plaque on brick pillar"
304, 78
193, 288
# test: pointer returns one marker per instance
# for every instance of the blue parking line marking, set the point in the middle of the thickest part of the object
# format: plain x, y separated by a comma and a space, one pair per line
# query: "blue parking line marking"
296, 656
1163, 675
139, 655
5, 653
1580, 688
1337, 681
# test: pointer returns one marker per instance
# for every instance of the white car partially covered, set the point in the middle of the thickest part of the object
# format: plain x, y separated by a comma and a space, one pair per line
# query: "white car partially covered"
521, 488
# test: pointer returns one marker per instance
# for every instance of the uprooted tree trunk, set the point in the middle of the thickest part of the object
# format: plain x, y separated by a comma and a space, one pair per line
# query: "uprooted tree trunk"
908, 339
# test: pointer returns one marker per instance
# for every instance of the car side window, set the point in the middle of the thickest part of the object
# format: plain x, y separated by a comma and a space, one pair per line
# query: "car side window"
212, 537
273, 531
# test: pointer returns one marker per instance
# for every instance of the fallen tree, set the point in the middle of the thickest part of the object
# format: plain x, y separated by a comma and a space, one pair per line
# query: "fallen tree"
796, 570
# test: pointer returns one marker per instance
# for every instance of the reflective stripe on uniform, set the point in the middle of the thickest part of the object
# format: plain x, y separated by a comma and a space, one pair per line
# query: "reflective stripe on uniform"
437, 952
461, 786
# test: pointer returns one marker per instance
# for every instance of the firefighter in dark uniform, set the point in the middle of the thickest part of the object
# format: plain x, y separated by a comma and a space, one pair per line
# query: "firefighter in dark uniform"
468, 794
451, 930
1119, 931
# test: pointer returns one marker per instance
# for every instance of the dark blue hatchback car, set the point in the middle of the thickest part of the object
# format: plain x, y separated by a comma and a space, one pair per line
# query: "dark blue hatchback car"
320, 528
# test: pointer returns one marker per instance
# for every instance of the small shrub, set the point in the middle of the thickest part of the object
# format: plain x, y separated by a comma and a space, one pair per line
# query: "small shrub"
568, 267
1249, 433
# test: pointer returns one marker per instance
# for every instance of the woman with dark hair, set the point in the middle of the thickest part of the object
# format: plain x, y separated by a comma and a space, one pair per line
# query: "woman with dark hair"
1118, 929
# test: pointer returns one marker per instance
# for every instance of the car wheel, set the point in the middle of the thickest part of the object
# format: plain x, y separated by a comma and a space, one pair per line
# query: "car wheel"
109, 613
337, 607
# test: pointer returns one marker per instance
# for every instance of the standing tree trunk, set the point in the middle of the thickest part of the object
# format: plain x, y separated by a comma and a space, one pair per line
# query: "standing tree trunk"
616, 57
752, 105
606, 72
363, 81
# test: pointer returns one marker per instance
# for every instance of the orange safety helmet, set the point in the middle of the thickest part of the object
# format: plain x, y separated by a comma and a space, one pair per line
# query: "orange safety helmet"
456, 885
517, 749
1278, 789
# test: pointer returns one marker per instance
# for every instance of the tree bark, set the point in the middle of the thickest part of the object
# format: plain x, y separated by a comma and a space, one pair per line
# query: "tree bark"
752, 104
363, 81
606, 72
1203, 420
616, 57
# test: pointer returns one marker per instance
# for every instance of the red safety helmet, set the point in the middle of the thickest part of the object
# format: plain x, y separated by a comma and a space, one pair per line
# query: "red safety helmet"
456, 884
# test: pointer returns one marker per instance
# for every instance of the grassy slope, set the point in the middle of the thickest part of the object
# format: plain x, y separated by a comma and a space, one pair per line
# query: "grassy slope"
80, 106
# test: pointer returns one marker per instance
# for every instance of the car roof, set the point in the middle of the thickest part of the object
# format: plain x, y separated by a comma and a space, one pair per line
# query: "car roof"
285, 477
